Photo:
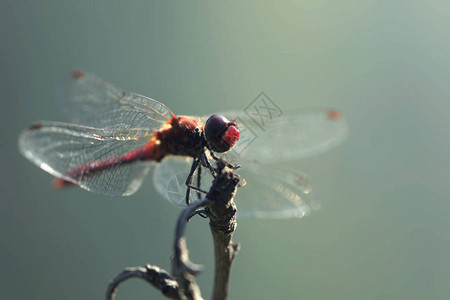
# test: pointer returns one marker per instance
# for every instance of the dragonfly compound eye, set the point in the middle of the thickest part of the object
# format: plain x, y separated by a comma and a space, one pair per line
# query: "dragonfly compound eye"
221, 134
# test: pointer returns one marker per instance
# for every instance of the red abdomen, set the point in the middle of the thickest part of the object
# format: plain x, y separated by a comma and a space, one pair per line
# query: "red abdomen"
150, 151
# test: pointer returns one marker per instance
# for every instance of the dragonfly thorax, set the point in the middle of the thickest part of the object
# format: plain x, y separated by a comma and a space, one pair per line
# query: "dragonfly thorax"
183, 137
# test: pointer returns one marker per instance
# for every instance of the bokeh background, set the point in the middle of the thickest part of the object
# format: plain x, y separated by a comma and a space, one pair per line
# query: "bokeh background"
383, 229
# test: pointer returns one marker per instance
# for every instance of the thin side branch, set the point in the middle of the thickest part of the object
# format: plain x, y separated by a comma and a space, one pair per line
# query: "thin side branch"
182, 268
154, 275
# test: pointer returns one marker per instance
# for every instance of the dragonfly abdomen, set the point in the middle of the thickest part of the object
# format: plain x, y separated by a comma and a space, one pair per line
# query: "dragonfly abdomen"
151, 151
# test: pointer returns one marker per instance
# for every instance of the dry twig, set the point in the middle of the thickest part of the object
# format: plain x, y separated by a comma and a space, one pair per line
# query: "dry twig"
157, 277
219, 207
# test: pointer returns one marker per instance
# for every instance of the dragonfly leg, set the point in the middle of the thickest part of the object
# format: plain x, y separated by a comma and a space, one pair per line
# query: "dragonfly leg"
188, 182
228, 165
195, 165
204, 213
199, 181
196, 189
206, 164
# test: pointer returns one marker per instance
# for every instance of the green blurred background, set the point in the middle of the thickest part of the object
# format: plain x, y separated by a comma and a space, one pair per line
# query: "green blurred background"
383, 229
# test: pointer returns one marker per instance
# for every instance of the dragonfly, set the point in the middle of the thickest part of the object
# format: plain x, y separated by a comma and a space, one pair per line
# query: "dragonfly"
115, 137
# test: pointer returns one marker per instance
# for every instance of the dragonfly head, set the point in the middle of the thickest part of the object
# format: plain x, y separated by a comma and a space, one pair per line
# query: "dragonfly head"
220, 133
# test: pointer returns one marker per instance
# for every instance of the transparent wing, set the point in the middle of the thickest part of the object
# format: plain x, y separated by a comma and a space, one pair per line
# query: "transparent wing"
89, 100
272, 192
86, 156
293, 135
269, 192
169, 178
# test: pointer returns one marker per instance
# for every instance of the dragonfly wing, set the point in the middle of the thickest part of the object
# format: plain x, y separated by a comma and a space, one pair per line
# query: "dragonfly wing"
271, 192
293, 135
89, 100
69, 151
170, 176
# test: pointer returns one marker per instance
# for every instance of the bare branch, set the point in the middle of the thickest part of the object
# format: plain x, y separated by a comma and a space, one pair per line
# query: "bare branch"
221, 210
222, 224
154, 275
218, 205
